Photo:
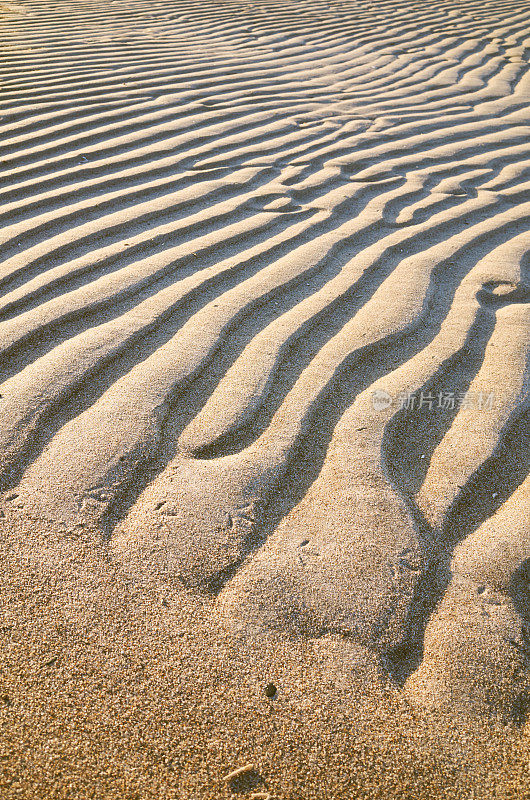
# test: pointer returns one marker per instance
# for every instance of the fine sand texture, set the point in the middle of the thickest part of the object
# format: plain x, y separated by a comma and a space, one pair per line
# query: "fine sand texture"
264, 399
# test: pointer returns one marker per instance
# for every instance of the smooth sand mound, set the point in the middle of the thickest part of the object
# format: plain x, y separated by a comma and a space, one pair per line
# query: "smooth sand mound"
265, 423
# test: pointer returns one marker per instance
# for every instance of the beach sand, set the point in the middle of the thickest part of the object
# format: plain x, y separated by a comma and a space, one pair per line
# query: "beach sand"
264, 429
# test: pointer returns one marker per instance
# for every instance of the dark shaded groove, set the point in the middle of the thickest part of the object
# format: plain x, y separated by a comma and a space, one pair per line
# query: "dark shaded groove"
118, 232
308, 456
444, 281
132, 186
412, 431
348, 379
503, 471
499, 475
51, 334
340, 213
36, 170
187, 231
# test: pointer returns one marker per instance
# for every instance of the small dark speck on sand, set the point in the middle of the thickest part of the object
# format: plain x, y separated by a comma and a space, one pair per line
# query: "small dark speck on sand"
51, 661
270, 690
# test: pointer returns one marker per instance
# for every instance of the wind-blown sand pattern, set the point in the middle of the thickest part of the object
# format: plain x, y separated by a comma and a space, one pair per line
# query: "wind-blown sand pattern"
239, 241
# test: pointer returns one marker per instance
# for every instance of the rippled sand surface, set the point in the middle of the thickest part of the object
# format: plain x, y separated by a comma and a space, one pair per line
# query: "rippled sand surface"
264, 410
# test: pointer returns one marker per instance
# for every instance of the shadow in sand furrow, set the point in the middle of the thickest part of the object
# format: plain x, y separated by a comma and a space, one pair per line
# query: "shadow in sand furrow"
105, 205
173, 224
85, 181
140, 118
46, 335
422, 133
437, 77
130, 378
155, 246
175, 74
201, 298
486, 244
134, 214
159, 112
493, 483
420, 157
65, 291
91, 191
123, 156
416, 159
88, 170
71, 152
69, 119
411, 432
483, 495
307, 408
414, 435
335, 398
296, 355
148, 339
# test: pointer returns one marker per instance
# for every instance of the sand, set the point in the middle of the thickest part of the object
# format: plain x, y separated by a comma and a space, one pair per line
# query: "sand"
264, 430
